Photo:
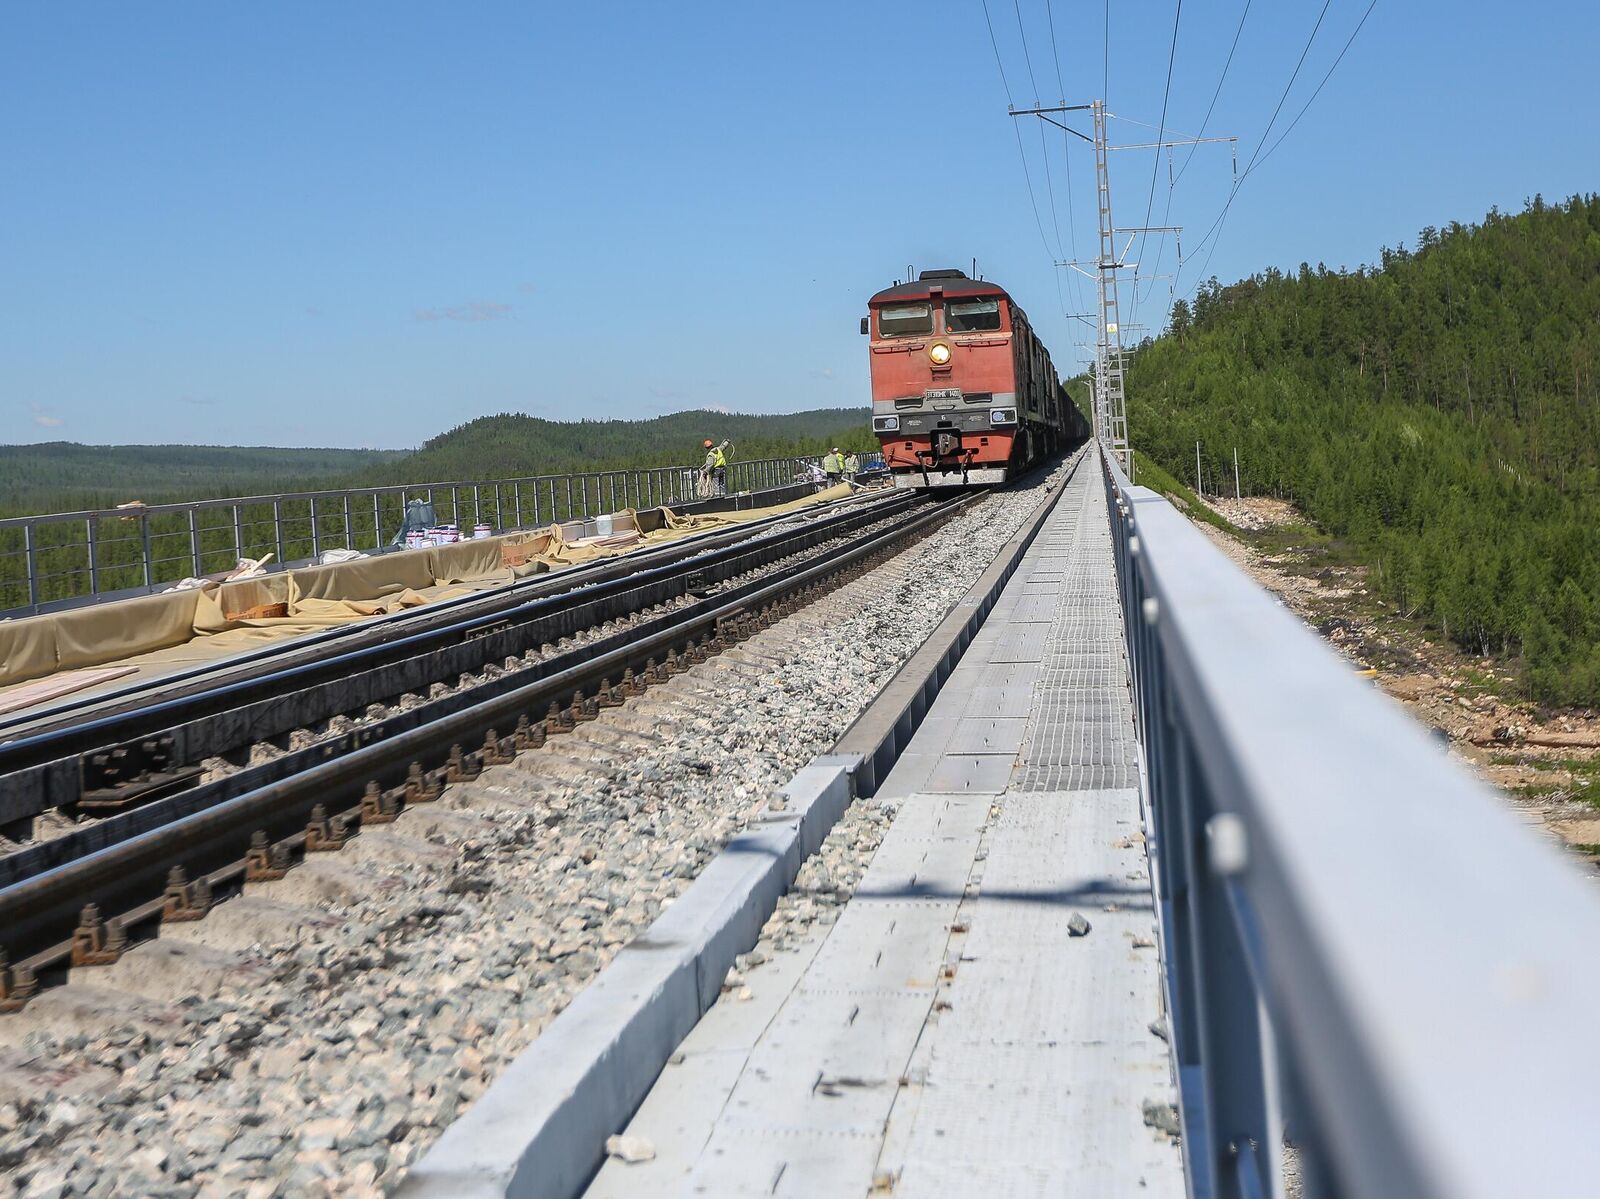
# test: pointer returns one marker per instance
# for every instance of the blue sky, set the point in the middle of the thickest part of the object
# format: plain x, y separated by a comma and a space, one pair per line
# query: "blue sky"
360, 224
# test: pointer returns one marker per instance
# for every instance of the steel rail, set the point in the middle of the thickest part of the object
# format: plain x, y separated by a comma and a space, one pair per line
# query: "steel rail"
196, 678
316, 689
89, 837
128, 878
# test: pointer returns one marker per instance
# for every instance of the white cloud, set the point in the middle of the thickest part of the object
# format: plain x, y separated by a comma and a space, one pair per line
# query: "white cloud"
44, 419
472, 311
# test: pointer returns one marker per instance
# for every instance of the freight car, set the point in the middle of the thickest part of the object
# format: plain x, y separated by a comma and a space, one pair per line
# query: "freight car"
963, 391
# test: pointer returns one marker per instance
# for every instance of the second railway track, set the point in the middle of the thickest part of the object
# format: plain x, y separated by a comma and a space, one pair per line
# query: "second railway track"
314, 1035
75, 899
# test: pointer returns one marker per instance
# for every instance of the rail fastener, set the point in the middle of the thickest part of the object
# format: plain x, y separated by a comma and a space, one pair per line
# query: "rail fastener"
97, 942
183, 900
17, 985
204, 835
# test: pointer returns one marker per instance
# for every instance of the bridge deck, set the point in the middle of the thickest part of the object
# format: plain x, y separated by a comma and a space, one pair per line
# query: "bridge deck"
949, 1034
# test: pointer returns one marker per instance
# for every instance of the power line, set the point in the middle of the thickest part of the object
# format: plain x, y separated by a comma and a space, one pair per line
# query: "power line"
1072, 224
1161, 136
1027, 176
1026, 57
1212, 106
1288, 87
996, 46
1222, 216
1044, 147
1348, 42
1304, 108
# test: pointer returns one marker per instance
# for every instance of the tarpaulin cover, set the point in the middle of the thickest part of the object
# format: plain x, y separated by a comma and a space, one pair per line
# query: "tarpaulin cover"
173, 629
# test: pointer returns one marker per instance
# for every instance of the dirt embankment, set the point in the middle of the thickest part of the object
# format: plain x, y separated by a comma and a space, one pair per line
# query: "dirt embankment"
1547, 763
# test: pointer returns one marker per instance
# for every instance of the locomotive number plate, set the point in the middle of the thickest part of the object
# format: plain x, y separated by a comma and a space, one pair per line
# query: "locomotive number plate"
942, 393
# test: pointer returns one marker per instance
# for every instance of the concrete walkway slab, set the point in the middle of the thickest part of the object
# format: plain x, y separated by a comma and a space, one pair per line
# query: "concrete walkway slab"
956, 1032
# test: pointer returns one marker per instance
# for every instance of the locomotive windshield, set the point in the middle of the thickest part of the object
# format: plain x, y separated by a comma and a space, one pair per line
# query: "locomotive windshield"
972, 316
899, 320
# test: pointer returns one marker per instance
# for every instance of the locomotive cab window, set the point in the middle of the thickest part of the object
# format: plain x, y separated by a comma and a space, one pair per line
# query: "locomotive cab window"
972, 316
902, 320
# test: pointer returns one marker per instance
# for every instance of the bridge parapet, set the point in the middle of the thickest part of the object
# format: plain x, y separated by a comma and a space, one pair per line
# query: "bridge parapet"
1364, 946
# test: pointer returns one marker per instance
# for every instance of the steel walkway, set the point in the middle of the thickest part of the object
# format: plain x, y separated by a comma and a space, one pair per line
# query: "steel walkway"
952, 1033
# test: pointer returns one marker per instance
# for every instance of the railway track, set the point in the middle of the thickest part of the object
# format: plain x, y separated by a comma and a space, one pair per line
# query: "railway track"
155, 733
549, 665
315, 1033
237, 733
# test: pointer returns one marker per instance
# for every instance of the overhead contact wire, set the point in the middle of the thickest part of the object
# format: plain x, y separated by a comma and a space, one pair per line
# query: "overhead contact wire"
1072, 224
1027, 176
1155, 166
1222, 216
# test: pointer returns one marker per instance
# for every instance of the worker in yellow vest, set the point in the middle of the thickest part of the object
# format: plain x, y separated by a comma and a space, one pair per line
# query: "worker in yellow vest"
716, 467
833, 465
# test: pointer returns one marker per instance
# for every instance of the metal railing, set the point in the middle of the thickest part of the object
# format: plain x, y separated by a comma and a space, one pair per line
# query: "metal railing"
54, 560
1365, 948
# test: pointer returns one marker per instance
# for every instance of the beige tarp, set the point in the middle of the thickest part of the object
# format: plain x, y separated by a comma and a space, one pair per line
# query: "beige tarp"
180, 628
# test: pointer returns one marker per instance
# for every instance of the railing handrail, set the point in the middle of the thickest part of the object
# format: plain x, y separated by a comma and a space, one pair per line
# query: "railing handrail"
1425, 960
118, 513
67, 557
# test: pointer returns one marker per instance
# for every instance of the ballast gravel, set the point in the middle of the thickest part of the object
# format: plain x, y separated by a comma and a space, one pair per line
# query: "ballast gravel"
319, 1037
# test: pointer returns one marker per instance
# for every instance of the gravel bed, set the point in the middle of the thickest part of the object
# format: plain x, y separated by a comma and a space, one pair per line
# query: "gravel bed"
826, 881
432, 951
53, 823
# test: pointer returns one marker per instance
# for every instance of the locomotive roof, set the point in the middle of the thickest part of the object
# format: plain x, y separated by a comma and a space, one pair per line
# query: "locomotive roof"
950, 283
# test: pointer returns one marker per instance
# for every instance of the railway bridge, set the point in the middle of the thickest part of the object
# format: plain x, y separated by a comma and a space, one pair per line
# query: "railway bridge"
1121, 884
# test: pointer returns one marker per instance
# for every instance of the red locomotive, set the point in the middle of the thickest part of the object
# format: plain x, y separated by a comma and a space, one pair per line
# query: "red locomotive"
963, 392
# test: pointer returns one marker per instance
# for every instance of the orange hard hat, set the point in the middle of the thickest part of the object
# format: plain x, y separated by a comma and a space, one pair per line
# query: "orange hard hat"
708, 443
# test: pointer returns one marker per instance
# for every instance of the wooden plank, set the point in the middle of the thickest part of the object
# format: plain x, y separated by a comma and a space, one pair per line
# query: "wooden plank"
31, 694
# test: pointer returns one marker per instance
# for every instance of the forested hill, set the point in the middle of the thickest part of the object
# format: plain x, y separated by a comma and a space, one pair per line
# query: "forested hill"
510, 445
1438, 410
64, 476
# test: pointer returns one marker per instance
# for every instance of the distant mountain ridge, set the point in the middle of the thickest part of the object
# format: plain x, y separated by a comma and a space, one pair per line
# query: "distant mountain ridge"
512, 444
65, 476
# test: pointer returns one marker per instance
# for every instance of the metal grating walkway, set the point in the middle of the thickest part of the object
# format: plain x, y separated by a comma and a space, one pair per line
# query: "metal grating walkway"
1083, 736
950, 1034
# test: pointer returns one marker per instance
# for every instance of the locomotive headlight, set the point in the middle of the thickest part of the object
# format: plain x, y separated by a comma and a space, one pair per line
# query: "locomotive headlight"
885, 424
1002, 416
939, 353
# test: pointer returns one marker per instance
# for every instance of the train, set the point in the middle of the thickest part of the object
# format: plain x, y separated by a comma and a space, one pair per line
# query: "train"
963, 391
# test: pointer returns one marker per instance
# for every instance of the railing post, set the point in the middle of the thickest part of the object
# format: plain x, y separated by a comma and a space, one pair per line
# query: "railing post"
349, 534
277, 530
30, 547
238, 535
377, 519
516, 499
94, 555
316, 534
194, 541
144, 547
